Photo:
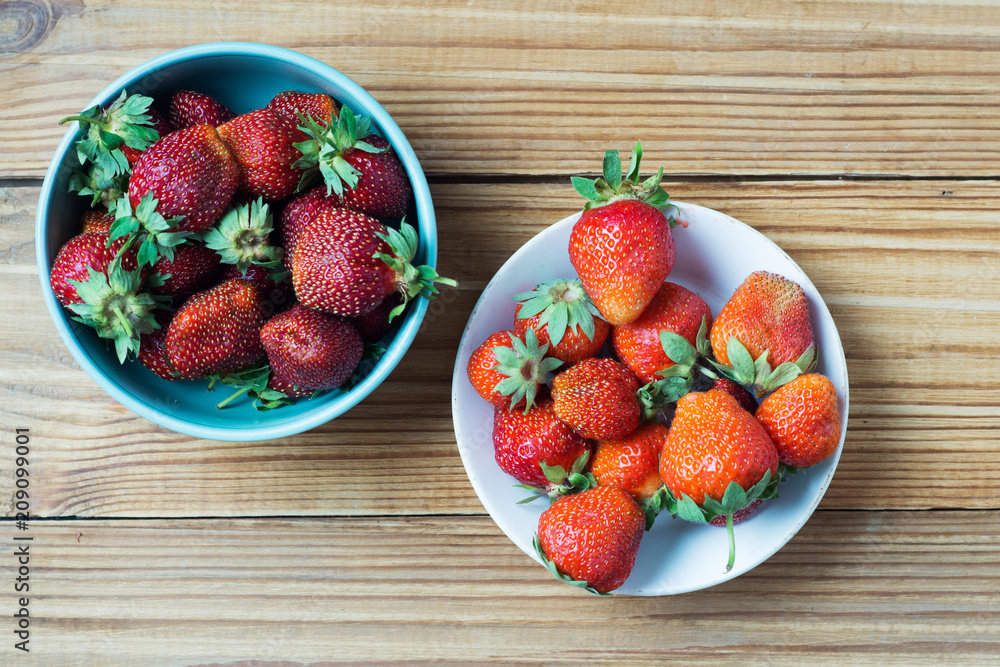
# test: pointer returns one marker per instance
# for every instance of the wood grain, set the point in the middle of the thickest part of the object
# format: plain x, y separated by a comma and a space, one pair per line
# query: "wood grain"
899, 588
769, 87
910, 274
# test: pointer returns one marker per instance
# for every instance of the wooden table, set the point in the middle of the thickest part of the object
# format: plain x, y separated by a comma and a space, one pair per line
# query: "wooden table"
861, 137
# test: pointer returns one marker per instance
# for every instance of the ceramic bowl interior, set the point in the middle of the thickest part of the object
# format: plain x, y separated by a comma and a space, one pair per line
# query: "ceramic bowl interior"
244, 77
714, 254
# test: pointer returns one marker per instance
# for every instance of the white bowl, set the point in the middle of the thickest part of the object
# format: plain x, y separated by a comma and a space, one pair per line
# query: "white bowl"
715, 253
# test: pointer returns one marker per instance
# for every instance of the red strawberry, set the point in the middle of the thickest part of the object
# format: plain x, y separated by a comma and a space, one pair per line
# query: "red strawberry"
591, 539
717, 459
193, 268
597, 398
345, 263
311, 351
275, 287
562, 315
80, 254
525, 441
96, 220
298, 213
158, 123
803, 420
188, 108
374, 325
189, 173
742, 396
103, 290
217, 331
358, 165
632, 462
768, 318
318, 106
508, 369
153, 349
264, 146
622, 247
673, 308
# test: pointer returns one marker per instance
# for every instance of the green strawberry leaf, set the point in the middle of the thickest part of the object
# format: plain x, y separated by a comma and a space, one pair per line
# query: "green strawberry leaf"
688, 510
585, 187
743, 363
677, 348
633, 168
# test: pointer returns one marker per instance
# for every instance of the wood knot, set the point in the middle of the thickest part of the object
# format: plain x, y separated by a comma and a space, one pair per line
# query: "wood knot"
23, 24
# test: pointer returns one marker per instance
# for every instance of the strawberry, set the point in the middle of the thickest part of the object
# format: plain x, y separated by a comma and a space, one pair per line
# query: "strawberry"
673, 308
591, 539
318, 106
217, 331
127, 122
764, 325
622, 247
538, 449
737, 391
298, 213
374, 325
632, 462
96, 220
263, 144
103, 288
153, 349
193, 268
717, 460
345, 263
803, 420
189, 108
275, 286
597, 398
357, 165
562, 315
189, 173
508, 368
242, 237
83, 252
311, 351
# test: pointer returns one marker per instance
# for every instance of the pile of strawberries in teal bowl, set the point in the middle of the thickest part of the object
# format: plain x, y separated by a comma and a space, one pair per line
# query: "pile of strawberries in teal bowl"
236, 241
650, 396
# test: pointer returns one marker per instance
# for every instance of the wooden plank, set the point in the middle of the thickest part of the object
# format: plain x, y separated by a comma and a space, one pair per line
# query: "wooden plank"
899, 588
910, 275
769, 87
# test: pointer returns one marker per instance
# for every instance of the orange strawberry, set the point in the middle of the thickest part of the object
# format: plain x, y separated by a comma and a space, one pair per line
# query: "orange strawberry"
590, 539
538, 449
622, 247
508, 368
562, 315
764, 325
803, 420
717, 460
96, 220
597, 398
633, 462
675, 309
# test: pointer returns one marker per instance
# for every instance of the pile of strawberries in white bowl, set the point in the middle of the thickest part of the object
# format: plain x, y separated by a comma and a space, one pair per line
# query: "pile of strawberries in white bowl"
618, 395
264, 251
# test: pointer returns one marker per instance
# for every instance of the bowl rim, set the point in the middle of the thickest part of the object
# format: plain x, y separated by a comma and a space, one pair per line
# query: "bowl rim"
459, 376
426, 221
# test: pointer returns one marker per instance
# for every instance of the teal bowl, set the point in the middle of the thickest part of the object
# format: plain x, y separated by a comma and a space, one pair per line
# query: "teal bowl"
243, 76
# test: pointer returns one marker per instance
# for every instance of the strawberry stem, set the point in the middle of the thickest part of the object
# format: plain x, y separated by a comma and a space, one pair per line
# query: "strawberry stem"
123, 320
732, 541
232, 397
